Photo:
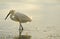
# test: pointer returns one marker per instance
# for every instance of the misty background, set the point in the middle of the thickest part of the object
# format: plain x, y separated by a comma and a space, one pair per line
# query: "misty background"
45, 16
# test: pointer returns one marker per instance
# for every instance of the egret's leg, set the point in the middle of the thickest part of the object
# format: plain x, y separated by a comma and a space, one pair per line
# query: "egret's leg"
21, 26
20, 30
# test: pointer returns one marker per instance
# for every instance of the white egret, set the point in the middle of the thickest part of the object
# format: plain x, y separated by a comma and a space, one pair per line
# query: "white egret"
19, 17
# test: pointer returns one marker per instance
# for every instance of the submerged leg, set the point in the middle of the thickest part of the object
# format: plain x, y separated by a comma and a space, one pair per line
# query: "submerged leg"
20, 30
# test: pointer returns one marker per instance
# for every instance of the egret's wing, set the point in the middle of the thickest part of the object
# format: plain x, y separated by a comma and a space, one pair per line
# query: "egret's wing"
22, 17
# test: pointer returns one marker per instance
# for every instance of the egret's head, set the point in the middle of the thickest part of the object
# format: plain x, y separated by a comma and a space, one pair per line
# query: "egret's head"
10, 12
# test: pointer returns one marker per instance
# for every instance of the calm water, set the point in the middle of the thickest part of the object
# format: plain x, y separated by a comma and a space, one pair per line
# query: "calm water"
45, 19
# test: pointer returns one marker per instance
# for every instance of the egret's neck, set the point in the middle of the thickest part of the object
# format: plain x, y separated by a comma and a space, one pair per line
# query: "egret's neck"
12, 16
12, 13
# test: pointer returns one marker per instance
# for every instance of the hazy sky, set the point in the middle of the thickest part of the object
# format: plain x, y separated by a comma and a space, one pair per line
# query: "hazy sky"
43, 12
45, 17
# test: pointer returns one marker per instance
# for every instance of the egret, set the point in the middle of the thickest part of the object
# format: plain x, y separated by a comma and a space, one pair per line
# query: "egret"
18, 17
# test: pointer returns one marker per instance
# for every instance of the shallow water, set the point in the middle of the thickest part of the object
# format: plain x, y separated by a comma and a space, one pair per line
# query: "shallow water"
45, 16
45, 32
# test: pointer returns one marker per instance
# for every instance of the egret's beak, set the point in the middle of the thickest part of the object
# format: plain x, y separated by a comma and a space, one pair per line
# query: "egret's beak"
7, 16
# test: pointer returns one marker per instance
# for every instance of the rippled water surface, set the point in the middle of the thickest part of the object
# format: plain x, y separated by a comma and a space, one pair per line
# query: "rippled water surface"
45, 16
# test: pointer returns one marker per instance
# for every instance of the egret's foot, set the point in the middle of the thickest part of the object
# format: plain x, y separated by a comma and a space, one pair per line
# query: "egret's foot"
19, 35
20, 31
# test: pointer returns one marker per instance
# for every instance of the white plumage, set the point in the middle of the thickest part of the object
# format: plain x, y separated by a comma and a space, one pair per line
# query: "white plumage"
19, 17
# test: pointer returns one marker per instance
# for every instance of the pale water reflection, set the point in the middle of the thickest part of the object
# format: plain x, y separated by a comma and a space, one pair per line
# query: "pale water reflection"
45, 19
